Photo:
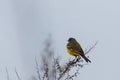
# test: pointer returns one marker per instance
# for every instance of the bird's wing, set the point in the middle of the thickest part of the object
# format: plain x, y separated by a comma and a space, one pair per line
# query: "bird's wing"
79, 48
75, 49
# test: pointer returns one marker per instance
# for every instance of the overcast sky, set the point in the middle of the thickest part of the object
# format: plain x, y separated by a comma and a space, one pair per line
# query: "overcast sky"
25, 25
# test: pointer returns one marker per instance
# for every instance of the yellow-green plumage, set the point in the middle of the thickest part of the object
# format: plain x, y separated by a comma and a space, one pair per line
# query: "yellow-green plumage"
72, 53
74, 49
71, 47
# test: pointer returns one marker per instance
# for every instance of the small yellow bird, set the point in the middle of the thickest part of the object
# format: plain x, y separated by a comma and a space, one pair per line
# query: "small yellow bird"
74, 49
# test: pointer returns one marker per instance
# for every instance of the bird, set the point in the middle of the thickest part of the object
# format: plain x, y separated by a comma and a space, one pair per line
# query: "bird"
75, 49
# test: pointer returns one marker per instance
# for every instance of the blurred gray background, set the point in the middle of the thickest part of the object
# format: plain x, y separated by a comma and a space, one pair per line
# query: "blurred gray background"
25, 25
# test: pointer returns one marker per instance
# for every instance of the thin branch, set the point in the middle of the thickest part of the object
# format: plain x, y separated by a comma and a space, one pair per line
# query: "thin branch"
37, 68
58, 66
91, 48
17, 75
46, 73
7, 74
67, 68
74, 75
54, 69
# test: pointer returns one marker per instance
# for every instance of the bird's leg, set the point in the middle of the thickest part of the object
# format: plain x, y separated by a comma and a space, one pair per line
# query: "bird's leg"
77, 58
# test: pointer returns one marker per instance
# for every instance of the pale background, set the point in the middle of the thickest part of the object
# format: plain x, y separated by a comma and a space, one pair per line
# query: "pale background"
25, 25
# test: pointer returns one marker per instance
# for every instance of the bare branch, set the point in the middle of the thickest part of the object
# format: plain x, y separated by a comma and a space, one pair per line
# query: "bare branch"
67, 68
17, 75
70, 77
46, 73
37, 68
91, 48
8, 78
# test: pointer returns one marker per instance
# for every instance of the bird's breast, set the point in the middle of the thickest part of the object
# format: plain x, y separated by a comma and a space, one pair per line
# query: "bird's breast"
71, 52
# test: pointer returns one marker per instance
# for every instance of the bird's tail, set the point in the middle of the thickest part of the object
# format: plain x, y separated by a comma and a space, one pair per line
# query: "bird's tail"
86, 59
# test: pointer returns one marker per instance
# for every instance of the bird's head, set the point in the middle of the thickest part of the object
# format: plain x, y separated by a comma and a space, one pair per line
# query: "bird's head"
71, 40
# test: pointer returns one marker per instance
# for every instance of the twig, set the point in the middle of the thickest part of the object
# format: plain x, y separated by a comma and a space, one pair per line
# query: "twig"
17, 75
67, 68
37, 68
74, 75
46, 73
91, 48
54, 69
7, 74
